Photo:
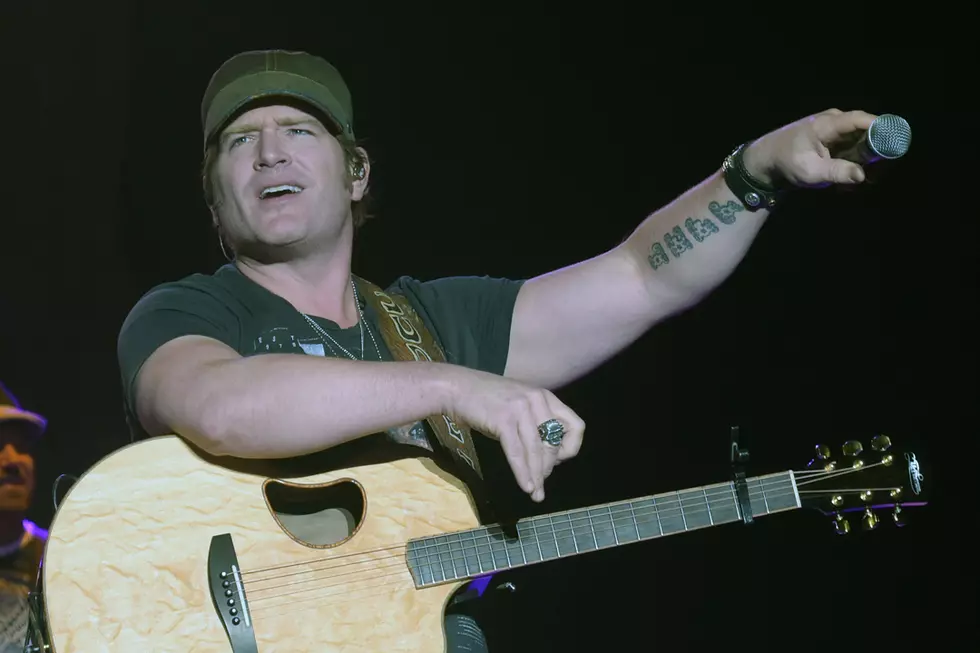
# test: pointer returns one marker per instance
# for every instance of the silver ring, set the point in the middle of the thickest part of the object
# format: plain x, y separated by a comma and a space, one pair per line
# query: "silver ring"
552, 432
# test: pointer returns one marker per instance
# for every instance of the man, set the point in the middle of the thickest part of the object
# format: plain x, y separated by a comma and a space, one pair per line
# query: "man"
21, 540
286, 182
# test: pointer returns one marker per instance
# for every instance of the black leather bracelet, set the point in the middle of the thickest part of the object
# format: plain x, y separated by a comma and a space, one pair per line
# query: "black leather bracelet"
752, 192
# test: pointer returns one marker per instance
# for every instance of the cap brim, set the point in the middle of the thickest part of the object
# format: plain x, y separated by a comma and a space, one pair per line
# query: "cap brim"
9, 413
271, 84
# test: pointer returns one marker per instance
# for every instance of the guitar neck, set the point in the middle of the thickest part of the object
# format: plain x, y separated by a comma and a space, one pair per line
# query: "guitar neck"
467, 554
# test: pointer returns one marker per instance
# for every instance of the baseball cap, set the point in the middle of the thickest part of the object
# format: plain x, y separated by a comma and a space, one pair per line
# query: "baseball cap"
260, 74
10, 410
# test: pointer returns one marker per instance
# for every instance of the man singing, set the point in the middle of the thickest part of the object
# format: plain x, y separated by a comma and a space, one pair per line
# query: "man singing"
285, 352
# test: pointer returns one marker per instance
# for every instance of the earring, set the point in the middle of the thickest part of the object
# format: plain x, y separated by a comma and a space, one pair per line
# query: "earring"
221, 244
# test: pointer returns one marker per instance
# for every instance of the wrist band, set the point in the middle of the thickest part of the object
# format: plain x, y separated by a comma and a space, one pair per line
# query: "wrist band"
753, 193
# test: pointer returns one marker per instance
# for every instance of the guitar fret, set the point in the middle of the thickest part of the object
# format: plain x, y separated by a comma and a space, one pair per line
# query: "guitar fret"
487, 549
612, 524
483, 551
595, 540
493, 555
707, 504
554, 535
602, 536
455, 539
738, 508
636, 524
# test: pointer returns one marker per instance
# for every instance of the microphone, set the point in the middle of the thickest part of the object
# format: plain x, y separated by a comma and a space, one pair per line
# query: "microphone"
888, 137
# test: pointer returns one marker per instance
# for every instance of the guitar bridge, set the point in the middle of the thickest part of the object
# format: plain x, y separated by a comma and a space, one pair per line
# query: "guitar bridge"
228, 594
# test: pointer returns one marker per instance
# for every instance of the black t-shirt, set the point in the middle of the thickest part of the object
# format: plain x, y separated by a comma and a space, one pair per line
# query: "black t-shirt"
470, 318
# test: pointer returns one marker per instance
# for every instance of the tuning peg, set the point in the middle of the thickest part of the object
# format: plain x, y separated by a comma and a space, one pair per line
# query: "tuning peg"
823, 452
898, 516
869, 521
852, 448
881, 442
841, 525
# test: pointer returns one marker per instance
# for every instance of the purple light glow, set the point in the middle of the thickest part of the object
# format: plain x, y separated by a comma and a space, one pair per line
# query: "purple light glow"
480, 584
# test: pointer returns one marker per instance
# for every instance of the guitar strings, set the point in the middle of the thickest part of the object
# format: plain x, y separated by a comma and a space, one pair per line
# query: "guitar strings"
666, 507
536, 537
724, 489
260, 606
663, 505
715, 491
663, 502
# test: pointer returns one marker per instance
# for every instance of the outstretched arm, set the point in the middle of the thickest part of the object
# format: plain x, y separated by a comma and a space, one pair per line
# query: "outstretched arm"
569, 321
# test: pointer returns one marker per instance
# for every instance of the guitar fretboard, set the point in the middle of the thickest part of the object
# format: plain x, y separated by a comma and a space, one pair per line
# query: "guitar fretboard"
488, 549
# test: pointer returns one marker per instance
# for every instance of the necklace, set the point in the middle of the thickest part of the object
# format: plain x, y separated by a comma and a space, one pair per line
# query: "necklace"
360, 322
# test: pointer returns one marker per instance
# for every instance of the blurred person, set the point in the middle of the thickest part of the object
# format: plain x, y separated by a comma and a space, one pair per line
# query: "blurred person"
21, 540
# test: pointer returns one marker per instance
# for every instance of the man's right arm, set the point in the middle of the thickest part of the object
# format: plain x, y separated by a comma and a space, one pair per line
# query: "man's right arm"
280, 405
182, 374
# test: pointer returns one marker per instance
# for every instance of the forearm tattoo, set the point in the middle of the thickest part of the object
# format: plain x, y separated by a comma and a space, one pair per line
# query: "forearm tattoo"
677, 241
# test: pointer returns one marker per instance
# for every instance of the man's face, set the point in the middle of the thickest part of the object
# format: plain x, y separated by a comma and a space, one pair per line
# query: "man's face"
282, 181
16, 466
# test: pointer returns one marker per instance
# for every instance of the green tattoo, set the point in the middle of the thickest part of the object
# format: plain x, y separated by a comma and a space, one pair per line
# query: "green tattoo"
657, 257
677, 242
725, 212
700, 229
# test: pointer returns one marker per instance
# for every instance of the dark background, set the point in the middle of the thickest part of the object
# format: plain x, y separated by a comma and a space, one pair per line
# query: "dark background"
511, 140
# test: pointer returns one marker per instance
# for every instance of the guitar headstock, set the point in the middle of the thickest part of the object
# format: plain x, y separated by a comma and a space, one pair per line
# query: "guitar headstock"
875, 484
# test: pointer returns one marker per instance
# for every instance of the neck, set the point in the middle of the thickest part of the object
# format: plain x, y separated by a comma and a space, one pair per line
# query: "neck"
467, 554
11, 527
317, 284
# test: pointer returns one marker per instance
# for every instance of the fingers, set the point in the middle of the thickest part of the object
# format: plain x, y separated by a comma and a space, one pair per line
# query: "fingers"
513, 447
531, 458
841, 171
574, 432
534, 455
540, 459
834, 124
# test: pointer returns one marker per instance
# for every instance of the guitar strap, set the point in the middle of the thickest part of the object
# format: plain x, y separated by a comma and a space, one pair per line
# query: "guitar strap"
409, 339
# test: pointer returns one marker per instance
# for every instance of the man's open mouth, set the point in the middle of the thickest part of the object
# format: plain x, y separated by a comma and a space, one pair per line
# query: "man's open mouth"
282, 190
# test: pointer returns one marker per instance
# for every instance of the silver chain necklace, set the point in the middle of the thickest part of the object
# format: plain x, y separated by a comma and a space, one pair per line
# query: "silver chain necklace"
360, 322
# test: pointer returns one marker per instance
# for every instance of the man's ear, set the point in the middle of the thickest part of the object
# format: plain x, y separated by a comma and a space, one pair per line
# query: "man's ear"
360, 174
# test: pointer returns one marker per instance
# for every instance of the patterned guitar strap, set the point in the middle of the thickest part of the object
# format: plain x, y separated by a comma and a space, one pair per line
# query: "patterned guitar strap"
408, 339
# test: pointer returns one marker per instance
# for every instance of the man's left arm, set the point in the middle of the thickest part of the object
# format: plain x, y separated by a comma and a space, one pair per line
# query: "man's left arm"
569, 321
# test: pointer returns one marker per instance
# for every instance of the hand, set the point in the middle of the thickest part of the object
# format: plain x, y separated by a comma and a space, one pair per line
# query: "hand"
511, 411
800, 153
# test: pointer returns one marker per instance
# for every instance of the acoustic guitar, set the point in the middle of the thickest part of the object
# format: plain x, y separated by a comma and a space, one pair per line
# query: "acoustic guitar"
159, 549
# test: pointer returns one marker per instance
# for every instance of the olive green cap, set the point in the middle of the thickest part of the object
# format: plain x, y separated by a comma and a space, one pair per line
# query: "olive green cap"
260, 74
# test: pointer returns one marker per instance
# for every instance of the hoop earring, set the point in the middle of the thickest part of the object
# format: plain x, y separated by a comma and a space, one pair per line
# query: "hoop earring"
221, 244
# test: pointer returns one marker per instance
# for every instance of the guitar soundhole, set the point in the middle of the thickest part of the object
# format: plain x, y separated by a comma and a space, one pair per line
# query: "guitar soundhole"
317, 515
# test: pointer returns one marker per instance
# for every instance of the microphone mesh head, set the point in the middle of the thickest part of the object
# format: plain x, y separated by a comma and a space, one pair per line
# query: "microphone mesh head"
890, 136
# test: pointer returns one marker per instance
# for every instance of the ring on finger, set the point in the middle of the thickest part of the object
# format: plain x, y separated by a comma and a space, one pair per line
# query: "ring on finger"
552, 432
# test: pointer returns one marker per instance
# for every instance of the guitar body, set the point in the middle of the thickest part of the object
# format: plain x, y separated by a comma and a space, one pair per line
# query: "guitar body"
127, 563
165, 549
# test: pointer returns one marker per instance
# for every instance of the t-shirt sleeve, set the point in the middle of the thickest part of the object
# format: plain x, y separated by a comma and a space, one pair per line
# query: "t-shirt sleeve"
164, 313
471, 316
